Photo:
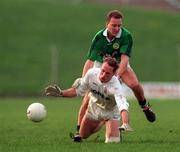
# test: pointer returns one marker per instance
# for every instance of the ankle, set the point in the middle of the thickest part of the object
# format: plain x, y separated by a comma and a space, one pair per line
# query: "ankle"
142, 103
77, 128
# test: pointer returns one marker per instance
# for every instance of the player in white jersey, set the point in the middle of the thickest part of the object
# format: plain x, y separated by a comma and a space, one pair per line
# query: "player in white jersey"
106, 102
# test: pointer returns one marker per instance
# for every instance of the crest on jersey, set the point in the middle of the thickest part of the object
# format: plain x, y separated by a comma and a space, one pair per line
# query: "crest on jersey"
115, 46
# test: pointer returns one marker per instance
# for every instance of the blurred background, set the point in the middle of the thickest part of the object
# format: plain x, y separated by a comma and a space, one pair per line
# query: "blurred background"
45, 42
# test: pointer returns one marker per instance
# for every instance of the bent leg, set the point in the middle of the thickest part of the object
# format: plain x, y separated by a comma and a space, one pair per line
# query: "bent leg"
130, 79
89, 126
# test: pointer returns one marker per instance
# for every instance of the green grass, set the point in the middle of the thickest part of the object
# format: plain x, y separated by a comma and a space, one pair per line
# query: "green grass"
31, 28
17, 133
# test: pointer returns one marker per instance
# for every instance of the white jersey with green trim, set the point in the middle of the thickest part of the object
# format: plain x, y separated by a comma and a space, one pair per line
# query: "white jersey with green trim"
105, 95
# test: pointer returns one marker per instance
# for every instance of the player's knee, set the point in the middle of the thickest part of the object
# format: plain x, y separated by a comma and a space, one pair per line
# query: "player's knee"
112, 134
112, 139
134, 85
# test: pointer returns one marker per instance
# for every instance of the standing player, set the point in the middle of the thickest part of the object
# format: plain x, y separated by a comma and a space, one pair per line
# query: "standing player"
116, 41
106, 102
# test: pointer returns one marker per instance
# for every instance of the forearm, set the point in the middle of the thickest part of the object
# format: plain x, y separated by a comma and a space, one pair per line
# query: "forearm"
87, 66
123, 65
122, 69
71, 92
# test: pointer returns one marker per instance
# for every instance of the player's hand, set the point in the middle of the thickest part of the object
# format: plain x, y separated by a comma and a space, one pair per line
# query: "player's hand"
53, 91
76, 83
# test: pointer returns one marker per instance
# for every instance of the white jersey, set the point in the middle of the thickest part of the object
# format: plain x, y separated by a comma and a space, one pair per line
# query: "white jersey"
105, 95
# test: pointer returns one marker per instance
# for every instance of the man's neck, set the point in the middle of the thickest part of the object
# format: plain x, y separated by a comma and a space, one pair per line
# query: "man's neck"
109, 36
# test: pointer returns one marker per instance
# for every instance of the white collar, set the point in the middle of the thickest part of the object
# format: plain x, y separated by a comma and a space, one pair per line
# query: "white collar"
117, 36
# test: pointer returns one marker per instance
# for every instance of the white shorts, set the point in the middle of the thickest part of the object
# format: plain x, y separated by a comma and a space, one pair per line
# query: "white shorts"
94, 112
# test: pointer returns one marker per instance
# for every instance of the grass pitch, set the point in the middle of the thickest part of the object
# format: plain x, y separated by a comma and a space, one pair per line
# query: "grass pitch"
18, 134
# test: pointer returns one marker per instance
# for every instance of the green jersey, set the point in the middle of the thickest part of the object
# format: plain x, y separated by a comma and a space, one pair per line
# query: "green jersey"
101, 46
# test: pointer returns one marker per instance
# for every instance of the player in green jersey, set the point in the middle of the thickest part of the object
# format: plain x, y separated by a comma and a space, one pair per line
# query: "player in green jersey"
117, 42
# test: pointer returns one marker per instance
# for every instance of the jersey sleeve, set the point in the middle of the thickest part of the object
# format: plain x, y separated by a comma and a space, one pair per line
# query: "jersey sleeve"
94, 52
120, 100
84, 85
126, 46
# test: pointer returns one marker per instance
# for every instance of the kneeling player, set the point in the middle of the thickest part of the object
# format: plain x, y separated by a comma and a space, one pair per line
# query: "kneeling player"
106, 103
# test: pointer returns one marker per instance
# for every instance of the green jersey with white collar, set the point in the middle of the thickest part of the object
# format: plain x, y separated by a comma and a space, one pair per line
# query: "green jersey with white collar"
101, 45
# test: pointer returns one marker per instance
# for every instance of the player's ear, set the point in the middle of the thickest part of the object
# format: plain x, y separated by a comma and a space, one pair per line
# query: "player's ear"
106, 23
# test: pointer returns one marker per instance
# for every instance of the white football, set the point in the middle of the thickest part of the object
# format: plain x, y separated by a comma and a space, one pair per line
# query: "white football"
36, 112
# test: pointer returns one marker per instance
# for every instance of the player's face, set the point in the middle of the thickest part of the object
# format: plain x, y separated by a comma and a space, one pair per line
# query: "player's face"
114, 26
106, 73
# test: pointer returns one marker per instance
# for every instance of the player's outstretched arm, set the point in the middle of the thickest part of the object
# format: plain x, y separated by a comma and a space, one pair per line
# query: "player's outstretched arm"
56, 91
71, 92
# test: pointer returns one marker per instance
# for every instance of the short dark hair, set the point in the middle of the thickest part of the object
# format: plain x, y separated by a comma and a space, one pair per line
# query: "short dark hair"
111, 62
113, 14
